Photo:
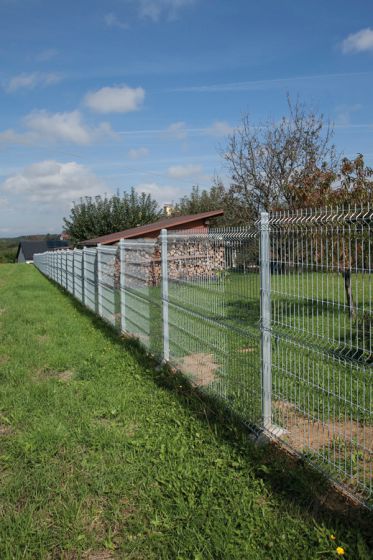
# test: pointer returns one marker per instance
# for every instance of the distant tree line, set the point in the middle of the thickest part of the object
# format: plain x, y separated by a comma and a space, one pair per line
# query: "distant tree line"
100, 215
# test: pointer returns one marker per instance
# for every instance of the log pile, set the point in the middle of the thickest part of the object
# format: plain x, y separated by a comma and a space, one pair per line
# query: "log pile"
188, 259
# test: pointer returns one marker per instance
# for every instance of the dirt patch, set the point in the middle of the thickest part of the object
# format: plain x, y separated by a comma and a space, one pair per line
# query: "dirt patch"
42, 338
314, 434
66, 375
4, 360
2, 310
5, 430
201, 366
98, 555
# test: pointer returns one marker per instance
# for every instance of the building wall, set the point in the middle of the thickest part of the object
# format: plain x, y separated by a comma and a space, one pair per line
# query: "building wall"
21, 257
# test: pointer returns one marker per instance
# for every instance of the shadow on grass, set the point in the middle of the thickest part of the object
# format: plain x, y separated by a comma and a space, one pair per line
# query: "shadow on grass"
354, 335
288, 476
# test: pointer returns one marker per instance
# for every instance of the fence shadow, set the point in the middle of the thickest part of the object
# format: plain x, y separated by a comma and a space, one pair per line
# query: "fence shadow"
351, 335
288, 476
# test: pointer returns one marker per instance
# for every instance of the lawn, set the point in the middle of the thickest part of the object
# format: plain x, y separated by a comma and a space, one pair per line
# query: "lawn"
103, 456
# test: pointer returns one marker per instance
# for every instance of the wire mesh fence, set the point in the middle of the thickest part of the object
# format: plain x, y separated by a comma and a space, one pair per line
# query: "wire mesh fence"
275, 320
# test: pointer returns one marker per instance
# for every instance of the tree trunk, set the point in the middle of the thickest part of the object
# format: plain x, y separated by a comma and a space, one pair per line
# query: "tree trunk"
348, 290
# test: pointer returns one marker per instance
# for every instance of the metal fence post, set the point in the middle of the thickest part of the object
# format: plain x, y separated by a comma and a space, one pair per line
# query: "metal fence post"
265, 307
85, 290
99, 281
164, 260
122, 256
73, 273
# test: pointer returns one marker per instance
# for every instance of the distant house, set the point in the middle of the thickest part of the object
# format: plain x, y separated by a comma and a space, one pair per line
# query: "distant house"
27, 249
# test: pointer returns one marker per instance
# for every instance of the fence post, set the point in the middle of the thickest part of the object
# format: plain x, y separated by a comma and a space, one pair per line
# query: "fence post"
265, 307
85, 291
164, 260
122, 282
73, 273
99, 280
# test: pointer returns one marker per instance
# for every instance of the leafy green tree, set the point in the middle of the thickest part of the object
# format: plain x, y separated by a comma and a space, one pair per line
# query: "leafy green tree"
101, 215
201, 200
215, 198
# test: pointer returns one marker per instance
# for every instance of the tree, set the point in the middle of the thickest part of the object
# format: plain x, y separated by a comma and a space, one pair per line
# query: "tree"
349, 188
215, 198
93, 217
268, 162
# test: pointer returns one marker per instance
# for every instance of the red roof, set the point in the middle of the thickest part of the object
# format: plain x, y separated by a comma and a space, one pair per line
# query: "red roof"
177, 222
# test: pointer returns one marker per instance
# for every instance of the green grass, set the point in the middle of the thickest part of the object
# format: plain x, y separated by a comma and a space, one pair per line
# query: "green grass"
100, 453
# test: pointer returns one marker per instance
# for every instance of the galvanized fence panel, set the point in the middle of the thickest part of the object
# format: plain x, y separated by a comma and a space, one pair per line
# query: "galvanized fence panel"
70, 271
140, 292
322, 316
213, 301
90, 279
107, 283
78, 274
275, 320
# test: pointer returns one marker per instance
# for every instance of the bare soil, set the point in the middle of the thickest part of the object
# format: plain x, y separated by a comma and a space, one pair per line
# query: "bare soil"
4, 359
51, 374
5, 430
304, 432
201, 366
99, 555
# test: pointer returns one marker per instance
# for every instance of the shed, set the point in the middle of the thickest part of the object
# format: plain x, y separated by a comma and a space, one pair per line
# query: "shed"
193, 223
194, 256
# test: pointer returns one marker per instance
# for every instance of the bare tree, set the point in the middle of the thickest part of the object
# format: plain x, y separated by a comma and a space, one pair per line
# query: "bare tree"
266, 162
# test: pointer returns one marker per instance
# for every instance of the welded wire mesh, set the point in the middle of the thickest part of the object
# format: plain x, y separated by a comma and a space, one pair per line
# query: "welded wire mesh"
214, 314
140, 292
322, 316
70, 271
90, 278
107, 283
274, 319
78, 274
64, 271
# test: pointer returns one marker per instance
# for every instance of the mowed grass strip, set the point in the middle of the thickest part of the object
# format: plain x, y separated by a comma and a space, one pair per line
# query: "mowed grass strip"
101, 460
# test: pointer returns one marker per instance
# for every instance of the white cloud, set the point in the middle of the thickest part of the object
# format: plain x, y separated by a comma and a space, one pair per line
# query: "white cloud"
162, 193
59, 126
10, 136
3, 202
46, 54
52, 183
56, 127
120, 99
177, 130
157, 9
359, 42
112, 20
138, 153
31, 81
184, 171
220, 128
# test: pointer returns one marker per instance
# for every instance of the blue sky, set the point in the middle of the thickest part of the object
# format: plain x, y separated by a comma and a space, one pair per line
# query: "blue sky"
99, 95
